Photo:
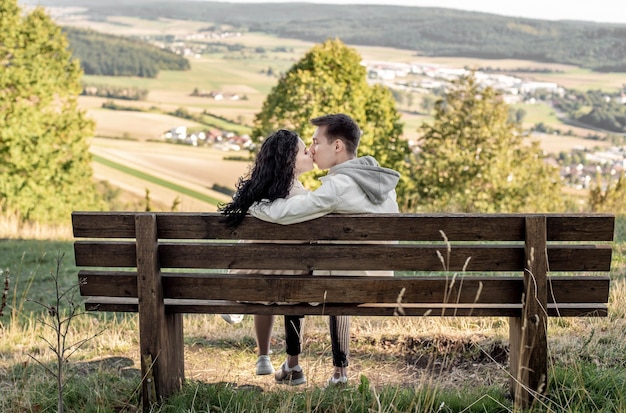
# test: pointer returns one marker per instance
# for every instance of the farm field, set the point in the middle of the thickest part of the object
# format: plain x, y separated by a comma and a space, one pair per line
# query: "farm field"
558, 143
139, 125
196, 169
245, 74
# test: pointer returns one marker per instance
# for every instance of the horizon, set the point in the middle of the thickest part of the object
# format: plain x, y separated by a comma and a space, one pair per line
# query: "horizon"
599, 11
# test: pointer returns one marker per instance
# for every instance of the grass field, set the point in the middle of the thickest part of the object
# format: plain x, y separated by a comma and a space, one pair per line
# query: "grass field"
398, 364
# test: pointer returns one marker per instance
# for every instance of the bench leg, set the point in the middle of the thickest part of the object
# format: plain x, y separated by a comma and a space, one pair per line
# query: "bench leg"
160, 333
176, 351
528, 361
528, 333
517, 368
162, 359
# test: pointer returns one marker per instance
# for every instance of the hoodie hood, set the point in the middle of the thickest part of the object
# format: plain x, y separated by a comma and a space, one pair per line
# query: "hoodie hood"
373, 179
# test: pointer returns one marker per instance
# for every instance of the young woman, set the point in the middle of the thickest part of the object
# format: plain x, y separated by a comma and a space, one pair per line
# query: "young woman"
282, 158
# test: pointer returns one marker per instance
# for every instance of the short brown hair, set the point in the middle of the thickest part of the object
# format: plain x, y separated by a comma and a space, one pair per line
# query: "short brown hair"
341, 126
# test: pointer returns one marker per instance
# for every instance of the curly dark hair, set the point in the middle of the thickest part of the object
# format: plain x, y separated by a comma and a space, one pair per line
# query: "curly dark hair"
270, 177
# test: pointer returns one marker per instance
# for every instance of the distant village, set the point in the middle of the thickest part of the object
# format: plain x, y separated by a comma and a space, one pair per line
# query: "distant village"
578, 172
434, 76
423, 79
216, 138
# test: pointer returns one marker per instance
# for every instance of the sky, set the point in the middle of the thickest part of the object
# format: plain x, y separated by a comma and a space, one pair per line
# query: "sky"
602, 11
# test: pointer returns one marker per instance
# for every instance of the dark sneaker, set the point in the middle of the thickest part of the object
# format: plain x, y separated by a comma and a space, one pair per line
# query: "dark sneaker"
292, 377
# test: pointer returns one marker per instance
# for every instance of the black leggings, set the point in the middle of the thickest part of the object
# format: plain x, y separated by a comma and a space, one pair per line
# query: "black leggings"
339, 337
293, 334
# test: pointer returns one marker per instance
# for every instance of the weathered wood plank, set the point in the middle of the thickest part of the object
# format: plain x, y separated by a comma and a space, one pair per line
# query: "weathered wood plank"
418, 289
126, 304
105, 254
160, 334
366, 227
527, 334
579, 258
399, 257
535, 316
100, 224
580, 227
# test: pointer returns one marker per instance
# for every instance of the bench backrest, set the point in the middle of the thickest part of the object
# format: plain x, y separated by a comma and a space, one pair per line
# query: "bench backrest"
475, 262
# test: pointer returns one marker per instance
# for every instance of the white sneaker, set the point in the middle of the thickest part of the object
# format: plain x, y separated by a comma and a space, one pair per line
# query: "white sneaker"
264, 366
337, 381
232, 318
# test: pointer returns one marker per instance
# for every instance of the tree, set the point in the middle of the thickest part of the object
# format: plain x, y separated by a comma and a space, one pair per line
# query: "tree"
472, 159
331, 79
612, 199
409, 99
45, 165
428, 103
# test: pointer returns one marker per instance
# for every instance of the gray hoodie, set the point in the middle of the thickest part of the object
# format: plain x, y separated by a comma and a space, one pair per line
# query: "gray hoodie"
377, 182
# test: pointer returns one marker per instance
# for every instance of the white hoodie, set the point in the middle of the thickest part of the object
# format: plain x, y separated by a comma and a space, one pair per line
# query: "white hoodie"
356, 186
352, 187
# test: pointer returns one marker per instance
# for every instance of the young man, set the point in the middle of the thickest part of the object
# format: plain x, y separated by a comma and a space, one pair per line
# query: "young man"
352, 185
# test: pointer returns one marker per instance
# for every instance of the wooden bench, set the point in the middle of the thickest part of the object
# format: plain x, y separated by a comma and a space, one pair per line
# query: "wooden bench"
492, 265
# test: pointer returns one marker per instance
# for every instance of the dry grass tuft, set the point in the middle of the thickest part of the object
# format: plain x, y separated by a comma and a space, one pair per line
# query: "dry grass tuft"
11, 227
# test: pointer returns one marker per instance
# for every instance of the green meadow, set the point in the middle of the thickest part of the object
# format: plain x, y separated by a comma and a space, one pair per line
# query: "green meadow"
398, 364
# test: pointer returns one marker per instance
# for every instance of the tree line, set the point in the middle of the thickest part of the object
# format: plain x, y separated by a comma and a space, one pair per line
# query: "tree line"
107, 55
429, 31
595, 108
114, 92
474, 35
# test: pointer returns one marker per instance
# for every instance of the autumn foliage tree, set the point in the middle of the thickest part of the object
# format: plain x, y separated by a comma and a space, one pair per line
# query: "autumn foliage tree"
45, 166
472, 158
331, 79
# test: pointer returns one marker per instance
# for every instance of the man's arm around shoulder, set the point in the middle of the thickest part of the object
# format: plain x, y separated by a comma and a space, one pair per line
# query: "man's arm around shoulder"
299, 208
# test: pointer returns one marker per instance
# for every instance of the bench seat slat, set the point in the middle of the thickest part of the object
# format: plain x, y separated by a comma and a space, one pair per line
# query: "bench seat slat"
119, 304
410, 257
418, 289
460, 227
